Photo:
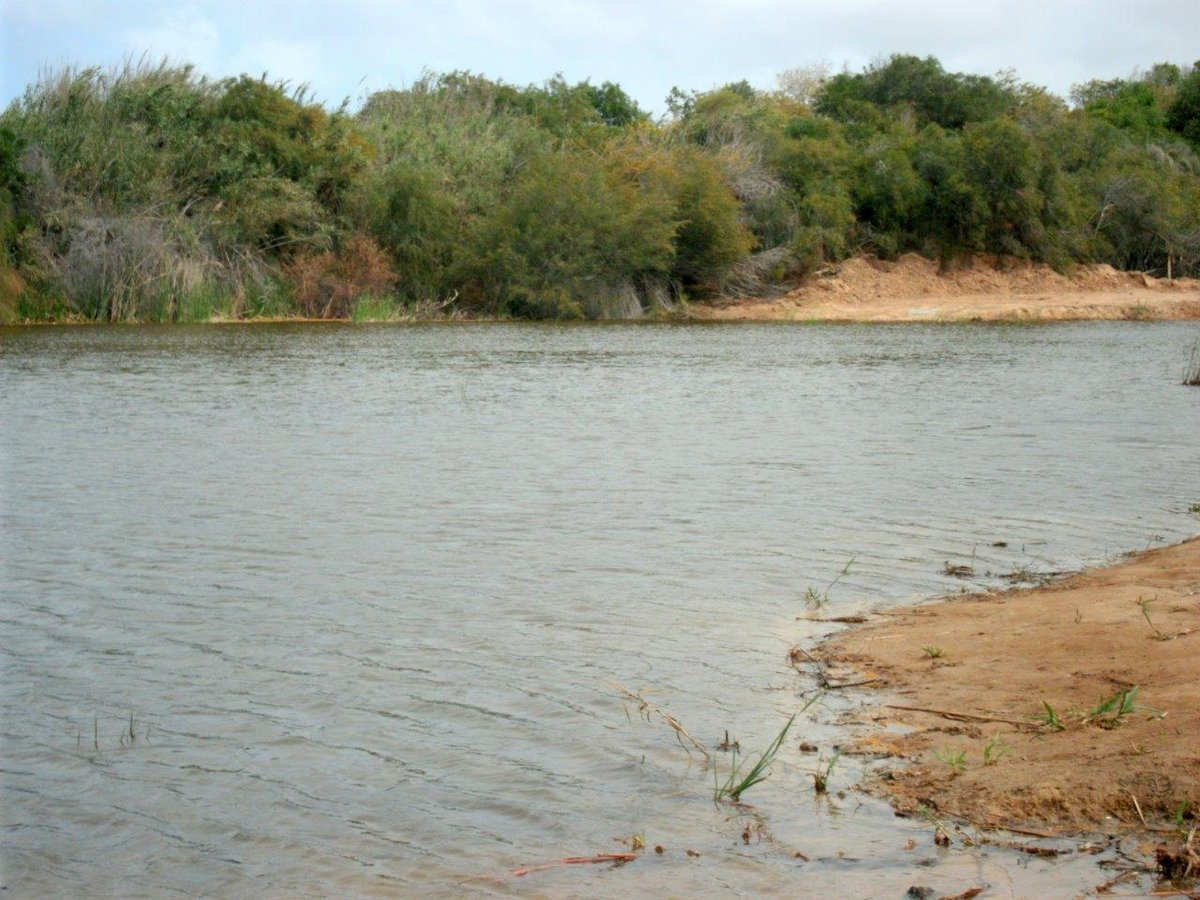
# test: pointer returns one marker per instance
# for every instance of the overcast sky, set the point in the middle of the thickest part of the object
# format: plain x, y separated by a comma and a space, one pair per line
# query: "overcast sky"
351, 47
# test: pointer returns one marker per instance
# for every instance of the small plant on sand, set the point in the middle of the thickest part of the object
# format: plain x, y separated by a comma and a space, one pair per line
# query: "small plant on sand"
1110, 711
1144, 605
1194, 509
994, 750
815, 598
1113, 708
1050, 718
738, 782
933, 651
823, 772
1183, 818
955, 759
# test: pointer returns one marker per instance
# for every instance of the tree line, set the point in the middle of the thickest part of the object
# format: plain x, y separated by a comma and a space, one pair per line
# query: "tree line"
151, 192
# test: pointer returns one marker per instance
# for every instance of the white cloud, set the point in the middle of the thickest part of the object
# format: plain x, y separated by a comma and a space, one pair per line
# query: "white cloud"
645, 45
182, 33
295, 61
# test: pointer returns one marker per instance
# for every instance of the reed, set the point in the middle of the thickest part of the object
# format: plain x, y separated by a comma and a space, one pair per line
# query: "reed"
1191, 373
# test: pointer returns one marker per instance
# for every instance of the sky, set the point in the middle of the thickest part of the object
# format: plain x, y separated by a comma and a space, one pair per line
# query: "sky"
347, 49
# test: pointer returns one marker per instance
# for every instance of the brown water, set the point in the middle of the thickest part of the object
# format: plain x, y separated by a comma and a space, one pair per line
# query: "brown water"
365, 590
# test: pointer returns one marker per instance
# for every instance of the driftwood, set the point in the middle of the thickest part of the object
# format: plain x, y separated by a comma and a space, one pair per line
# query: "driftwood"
616, 858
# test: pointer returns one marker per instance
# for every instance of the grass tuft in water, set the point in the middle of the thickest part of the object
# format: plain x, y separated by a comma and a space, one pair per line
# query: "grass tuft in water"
815, 598
824, 771
738, 782
1191, 374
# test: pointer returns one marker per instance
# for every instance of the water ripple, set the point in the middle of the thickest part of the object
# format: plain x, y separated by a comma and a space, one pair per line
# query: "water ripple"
365, 592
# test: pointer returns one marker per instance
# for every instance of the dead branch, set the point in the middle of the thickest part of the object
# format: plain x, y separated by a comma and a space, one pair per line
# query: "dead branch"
647, 709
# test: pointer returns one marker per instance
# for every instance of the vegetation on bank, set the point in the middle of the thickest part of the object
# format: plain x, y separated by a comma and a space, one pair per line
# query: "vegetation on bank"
154, 193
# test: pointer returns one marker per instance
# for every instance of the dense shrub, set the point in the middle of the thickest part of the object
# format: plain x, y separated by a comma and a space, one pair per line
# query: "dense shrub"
1183, 114
920, 86
570, 224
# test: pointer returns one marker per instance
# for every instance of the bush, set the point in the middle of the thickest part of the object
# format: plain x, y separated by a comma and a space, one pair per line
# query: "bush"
327, 285
572, 224
711, 235
420, 223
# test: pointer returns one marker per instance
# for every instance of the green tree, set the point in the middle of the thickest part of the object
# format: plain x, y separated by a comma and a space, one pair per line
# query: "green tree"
887, 192
279, 167
951, 100
1183, 115
1005, 168
1131, 106
953, 214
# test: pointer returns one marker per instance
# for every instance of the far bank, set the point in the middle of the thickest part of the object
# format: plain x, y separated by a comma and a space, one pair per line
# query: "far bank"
864, 289
971, 289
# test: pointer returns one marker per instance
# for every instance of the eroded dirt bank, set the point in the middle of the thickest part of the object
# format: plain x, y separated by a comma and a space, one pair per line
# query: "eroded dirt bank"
915, 289
985, 670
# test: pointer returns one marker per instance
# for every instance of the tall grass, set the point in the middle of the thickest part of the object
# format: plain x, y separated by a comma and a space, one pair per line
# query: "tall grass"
160, 195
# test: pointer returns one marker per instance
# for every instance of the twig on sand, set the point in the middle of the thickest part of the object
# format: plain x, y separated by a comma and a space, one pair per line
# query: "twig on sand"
1138, 807
837, 685
796, 653
967, 894
647, 709
1003, 826
965, 717
1107, 887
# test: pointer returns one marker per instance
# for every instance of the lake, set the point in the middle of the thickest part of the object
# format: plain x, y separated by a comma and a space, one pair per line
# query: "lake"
363, 594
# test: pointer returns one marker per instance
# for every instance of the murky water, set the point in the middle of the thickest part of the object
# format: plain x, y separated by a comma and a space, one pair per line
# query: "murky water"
366, 591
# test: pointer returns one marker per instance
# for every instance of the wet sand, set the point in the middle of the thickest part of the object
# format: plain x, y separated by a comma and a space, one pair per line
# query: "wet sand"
981, 671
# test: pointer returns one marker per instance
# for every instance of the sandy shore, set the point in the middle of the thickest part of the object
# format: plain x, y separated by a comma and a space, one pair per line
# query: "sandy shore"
983, 671
915, 289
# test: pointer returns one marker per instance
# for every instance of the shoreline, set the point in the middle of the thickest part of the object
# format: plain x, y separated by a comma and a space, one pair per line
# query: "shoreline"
1069, 707
864, 289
